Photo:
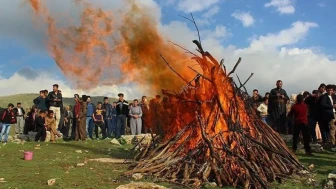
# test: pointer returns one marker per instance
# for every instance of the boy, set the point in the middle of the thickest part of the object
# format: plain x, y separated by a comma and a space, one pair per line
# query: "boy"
263, 110
50, 124
40, 126
7, 118
300, 112
99, 120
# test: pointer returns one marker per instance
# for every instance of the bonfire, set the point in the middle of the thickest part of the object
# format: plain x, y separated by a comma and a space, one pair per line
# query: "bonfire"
215, 136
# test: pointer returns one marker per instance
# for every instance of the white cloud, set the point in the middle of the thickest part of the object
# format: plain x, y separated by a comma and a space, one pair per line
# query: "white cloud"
188, 6
211, 12
282, 6
245, 17
289, 36
321, 4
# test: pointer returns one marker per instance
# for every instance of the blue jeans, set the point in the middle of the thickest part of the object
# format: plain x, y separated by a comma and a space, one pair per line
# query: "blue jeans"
114, 124
264, 119
89, 126
312, 126
5, 131
121, 125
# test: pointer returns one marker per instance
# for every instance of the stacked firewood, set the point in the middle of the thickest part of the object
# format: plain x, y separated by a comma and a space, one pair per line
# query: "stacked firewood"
217, 138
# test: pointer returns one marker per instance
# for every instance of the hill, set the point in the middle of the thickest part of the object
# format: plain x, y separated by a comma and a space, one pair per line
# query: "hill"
27, 100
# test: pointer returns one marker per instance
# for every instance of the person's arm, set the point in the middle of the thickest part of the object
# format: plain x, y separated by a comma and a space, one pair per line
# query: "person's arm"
36, 101
285, 95
140, 115
324, 104
291, 112
23, 111
50, 97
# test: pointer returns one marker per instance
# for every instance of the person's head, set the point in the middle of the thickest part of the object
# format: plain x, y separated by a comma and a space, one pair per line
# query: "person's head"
305, 94
135, 102
55, 87
18, 104
265, 100
322, 88
88, 99
279, 84
165, 99
144, 99
84, 98
299, 99
99, 105
316, 93
10, 106
130, 104
114, 104
50, 113
106, 100
255, 92
45, 92
121, 96
42, 113
267, 95
157, 98
67, 108
330, 89
76, 97
41, 93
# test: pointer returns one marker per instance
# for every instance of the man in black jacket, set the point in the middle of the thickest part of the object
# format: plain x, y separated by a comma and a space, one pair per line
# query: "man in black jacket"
327, 105
19, 113
55, 103
122, 113
312, 103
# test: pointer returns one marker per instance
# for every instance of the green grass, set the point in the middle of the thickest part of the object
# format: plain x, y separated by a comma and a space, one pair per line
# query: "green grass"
59, 160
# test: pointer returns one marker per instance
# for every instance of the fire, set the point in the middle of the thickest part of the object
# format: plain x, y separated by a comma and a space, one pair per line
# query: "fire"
97, 51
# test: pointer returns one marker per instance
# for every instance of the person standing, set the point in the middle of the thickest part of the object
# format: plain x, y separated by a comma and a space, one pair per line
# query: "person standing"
107, 109
81, 109
299, 111
135, 114
68, 117
122, 113
7, 118
55, 103
262, 109
41, 101
327, 105
20, 114
312, 104
98, 119
89, 120
40, 126
145, 115
277, 107
114, 118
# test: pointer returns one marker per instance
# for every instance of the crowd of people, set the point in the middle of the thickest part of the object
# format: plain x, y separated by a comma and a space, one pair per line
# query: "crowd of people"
84, 120
300, 114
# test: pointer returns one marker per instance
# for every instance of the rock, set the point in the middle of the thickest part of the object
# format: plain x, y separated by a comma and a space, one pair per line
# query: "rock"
311, 166
144, 138
10, 138
332, 176
128, 138
137, 176
329, 185
141, 185
115, 142
304, 172
211, 185
51, 182
17, 141
80, 164
79, 151
31, 136
24, 137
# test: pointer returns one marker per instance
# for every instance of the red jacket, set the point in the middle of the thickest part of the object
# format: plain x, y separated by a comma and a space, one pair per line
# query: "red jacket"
8, 117
300, 112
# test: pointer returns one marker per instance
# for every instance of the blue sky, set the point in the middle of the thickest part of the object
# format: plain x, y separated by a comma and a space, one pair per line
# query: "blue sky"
258, 30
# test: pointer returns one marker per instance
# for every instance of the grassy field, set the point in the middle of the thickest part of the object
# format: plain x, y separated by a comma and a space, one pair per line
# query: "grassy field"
59, 161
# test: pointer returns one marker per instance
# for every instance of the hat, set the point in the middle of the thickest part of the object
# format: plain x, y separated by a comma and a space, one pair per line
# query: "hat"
120, 94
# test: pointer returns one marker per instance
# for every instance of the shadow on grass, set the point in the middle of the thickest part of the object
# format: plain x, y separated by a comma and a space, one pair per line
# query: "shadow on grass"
116, 152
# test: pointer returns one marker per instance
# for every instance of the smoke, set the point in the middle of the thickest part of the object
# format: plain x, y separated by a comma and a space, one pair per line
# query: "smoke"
109, 47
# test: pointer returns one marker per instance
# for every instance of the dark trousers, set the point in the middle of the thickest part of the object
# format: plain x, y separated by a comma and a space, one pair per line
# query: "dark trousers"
65, 129
121, 125
304, 129
107, 127
312, 128
73, 129
279, 123
41, 134
102, 127
114, 124
324, 128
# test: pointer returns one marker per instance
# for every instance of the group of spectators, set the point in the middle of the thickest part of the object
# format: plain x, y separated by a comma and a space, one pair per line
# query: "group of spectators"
300, 114
83, 120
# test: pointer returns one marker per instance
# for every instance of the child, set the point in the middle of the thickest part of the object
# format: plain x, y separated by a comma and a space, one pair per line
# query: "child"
50, 123
262, 109
40, 127
7, 118
99, 120
300, 112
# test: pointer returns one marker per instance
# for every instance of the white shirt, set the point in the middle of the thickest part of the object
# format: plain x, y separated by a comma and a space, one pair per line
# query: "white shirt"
263, 109
19, 111
332, 102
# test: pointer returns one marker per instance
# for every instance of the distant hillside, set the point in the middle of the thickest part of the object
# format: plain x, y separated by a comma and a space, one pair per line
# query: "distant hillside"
27, 100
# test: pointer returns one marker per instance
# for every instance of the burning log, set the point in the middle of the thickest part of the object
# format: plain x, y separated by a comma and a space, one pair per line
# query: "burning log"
215, 137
